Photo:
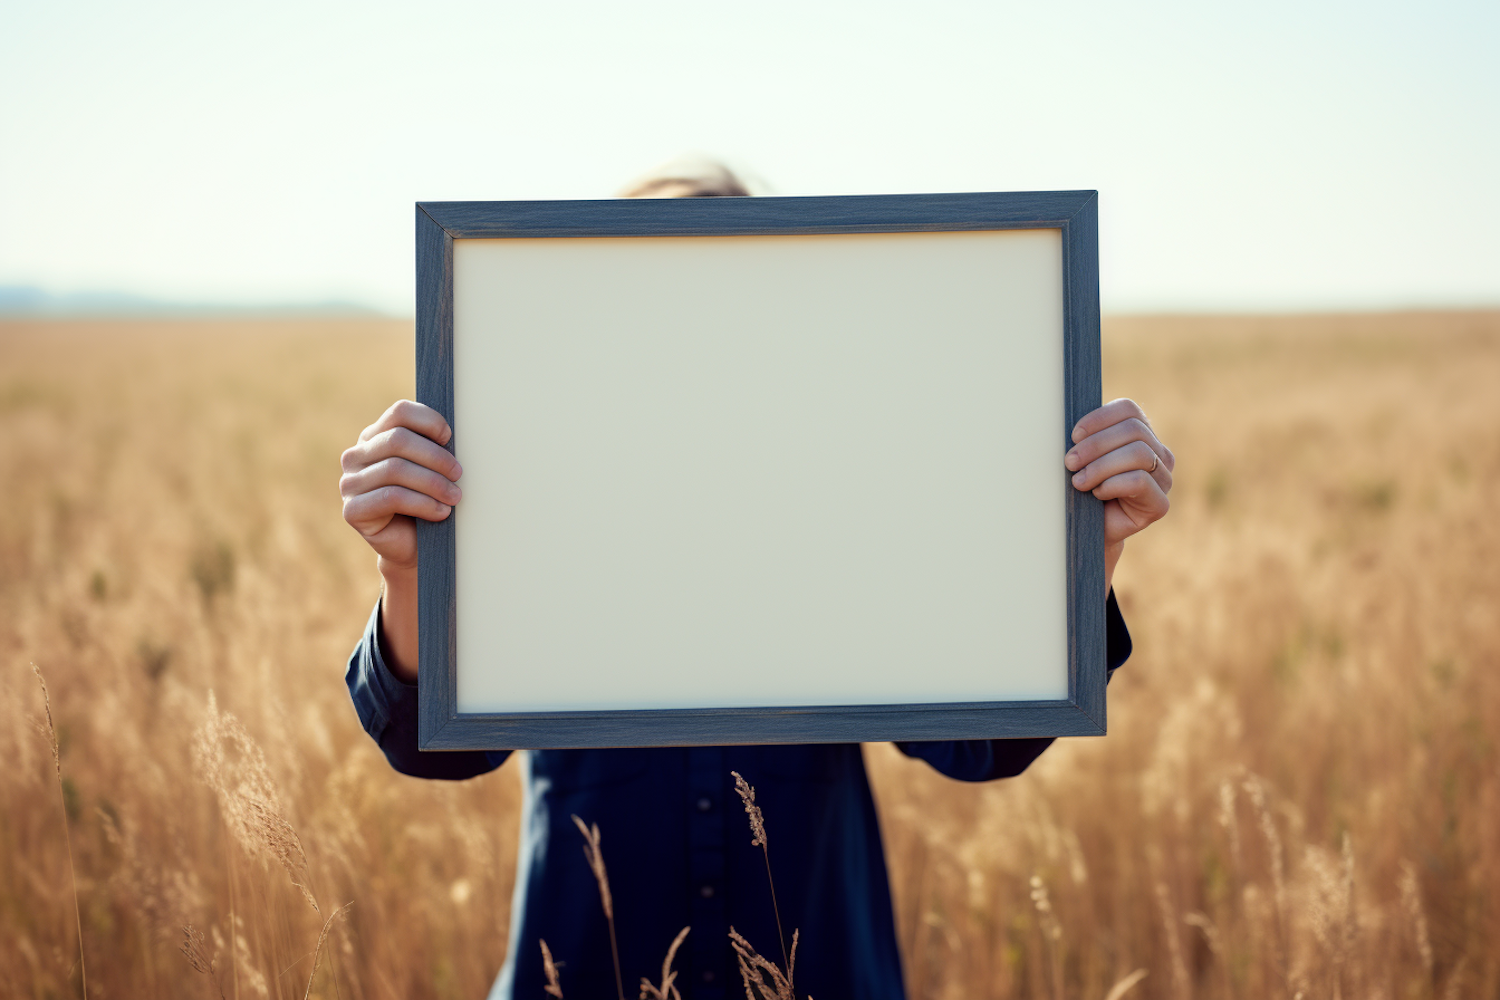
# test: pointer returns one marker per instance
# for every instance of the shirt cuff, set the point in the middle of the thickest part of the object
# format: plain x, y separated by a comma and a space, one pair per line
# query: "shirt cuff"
379, 695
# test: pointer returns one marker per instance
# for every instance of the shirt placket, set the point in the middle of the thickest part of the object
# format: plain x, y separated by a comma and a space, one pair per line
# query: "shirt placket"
708, 978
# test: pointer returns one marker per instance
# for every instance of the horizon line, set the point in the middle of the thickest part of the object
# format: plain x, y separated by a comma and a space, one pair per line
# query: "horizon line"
32, 302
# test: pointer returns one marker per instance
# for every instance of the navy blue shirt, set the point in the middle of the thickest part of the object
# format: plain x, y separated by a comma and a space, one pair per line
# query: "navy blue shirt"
677, 845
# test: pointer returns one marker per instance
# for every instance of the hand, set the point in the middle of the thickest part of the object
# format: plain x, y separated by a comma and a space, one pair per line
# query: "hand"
1118, 457
397, 471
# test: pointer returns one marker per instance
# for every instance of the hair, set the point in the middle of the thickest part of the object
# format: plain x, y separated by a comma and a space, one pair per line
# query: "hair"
688, 177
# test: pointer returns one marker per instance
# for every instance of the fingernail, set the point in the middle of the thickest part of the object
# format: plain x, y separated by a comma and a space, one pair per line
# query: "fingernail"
1078, 434
458, 470
1078, 479
453, 493
446, 510
1071, 460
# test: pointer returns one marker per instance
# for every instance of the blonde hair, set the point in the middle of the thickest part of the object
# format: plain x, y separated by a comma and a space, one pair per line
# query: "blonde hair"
688, 177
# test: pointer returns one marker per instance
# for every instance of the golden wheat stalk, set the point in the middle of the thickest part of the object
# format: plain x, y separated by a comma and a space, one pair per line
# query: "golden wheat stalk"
757, 819
51, 735
1454, 989
763, 980
1125, 985
758, 839
1051, 932
192, 948
1256, 791
1180, 978
595, 858
666, 991
249, 800
549, 967
1411, 903
318, 948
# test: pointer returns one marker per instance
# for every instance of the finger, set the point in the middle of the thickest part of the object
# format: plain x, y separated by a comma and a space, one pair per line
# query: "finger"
399, 472
368, 513
414, 416
1121, 522
1134, 455
1107, 415
400, 442
1111, 438
1139, 494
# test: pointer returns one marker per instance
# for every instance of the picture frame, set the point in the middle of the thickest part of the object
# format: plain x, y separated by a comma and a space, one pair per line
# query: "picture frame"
571, 655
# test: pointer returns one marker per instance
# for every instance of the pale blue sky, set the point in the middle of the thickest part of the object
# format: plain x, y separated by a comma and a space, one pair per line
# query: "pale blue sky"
1263, 156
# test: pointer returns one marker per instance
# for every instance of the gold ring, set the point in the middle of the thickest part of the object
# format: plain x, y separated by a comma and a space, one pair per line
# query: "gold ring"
1155, 461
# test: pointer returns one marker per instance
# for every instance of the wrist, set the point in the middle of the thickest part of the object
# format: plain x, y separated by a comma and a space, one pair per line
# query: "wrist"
398, 620
396, 573
1112, 555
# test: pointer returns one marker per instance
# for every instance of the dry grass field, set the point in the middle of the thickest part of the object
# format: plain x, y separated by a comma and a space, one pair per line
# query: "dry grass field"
1299, 795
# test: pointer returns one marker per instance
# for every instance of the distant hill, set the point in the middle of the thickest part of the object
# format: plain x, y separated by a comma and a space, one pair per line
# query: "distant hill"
25, 300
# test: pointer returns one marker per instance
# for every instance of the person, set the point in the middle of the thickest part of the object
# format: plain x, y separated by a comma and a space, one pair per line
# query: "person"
674, 835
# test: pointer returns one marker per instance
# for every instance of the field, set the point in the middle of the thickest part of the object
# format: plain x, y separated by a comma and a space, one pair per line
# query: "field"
1299, 795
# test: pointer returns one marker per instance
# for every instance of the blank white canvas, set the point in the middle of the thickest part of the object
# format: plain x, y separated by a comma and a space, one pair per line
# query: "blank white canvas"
759, 470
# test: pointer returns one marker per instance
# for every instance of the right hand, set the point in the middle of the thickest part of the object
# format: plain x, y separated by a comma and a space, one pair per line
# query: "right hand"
399, 470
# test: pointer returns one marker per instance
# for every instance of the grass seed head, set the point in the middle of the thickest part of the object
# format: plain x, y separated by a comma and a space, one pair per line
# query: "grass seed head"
231, 763
554, 984
318, 948
595, 857
1416, 915
195, 950
757, 821
51, 731
665, 991
762, 979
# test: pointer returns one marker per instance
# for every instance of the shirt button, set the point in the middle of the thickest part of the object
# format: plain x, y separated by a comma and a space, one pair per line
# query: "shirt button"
705, 804
707, 892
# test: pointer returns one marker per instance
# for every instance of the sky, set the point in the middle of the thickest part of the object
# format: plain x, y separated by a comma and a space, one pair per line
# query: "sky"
1275, 156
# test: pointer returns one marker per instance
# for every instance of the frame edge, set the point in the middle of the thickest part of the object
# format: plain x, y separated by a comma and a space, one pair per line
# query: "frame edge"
1087, 655
761, 726
437, 692
820, 214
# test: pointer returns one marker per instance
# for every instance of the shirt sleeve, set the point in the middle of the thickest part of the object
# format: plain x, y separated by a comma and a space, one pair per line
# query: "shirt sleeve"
387, 708
985, 760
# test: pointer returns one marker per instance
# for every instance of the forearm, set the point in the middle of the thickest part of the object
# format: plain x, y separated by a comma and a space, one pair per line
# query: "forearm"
398, 620
1112, 554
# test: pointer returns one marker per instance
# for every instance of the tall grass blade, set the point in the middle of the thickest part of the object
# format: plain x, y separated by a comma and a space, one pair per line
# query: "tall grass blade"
83, 971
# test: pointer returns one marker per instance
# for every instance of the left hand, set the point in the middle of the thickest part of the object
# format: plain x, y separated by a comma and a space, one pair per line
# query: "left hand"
1118, 457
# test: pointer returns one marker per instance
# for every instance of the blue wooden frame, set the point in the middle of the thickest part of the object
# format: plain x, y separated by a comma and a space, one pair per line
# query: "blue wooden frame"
1075, 213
